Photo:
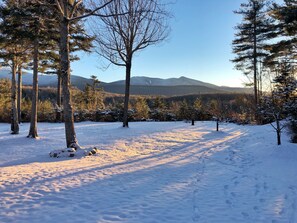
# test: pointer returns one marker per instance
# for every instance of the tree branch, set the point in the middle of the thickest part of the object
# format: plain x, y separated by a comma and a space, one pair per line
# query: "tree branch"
92, 12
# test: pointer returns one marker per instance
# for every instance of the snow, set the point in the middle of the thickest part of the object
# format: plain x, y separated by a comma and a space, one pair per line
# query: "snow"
151, 172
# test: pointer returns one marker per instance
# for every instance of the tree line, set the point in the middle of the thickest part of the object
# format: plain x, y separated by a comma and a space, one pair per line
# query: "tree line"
93, 104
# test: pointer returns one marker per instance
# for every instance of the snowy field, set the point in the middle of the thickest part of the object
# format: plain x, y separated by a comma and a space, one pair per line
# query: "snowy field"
149, 173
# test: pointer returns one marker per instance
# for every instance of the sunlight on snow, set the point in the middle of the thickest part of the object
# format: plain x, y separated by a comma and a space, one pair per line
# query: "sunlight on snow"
168, 171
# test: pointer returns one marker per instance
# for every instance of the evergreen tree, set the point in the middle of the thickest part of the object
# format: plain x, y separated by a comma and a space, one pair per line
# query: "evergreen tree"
282, 59
40, 22
5, 100
159, 103
142, 109
68, 11
12, 50
248, 45
283, 48
79, 41
184, 112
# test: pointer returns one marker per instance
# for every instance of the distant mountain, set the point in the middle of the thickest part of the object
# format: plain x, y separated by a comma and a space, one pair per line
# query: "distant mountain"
148, 81
170, 87
43, 80
139, 85
46, 80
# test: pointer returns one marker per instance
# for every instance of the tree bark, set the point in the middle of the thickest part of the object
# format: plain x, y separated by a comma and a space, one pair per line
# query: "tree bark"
59, 98
255, 69
127, 93
33, 122
19, 99
71, 141
14, 110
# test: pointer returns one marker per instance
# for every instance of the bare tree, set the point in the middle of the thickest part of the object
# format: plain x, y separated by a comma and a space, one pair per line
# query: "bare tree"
133, 26
273, 109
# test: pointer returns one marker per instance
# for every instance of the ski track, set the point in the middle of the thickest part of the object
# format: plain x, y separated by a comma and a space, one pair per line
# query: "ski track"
169, 173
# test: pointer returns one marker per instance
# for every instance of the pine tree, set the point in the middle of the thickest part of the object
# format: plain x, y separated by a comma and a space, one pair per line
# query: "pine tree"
249, 41
68, 12
141, 108
283, 49
12, 51
79, 41
5, 99
283, 58
40, 22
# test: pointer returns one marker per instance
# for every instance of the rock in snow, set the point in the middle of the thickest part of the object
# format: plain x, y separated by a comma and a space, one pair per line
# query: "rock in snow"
71, 152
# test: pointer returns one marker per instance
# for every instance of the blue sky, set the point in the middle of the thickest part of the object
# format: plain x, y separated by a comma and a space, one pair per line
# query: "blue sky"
199, 47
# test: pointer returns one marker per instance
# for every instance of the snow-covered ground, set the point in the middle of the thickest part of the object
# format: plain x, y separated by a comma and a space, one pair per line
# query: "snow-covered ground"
151, 172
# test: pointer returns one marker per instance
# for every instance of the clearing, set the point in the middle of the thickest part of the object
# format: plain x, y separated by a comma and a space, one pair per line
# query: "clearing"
152, 172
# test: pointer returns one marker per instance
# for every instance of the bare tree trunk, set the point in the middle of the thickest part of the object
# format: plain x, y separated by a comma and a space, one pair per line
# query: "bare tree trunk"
14, 110
71, 141
278, 132
20, 73
127, 94
33, 122
217, 122
59, 98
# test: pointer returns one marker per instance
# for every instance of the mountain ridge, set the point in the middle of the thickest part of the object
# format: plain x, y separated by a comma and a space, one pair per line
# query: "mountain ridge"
140, 85
152, 81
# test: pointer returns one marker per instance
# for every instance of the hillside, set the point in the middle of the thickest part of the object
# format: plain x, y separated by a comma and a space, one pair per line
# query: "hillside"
139, 85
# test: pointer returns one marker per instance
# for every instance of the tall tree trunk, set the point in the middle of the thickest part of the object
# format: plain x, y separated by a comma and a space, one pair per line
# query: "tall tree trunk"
20, 87
14, 110
71, 140
255, 69
127, 93
33, 123
59, 98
